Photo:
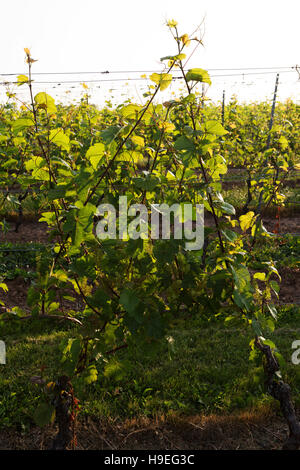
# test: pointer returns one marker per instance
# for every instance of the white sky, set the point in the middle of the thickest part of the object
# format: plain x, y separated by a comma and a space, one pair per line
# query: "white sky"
98, 35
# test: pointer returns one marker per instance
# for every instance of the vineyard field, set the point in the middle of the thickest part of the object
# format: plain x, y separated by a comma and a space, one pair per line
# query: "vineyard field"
131, 335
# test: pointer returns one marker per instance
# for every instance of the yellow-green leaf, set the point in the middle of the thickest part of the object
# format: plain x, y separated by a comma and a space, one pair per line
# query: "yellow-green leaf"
283, 142
22, 123
95, 154
246, 220
214, 127
161, 79
46, 102
58, 137
198, 75
174, 57
260, 276
22, 79
138, 140
3, 286
185, 39
172, 23
131, 111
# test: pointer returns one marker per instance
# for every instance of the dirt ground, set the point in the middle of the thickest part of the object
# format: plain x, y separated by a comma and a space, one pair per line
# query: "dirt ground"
36, 232
240, 432
285, 224
290, 286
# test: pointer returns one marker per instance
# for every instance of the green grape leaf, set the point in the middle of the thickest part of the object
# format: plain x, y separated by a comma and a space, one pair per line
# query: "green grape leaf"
59, 138
22, 79
214, 127
46, 102
95, 154
161, 79
198, 75
22, 123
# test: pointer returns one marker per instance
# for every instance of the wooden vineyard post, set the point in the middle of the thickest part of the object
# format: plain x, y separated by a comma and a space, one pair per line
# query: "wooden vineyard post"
223, 108
272, 111
269, 135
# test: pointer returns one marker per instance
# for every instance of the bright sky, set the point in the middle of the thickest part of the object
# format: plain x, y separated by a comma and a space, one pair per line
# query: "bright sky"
115, 35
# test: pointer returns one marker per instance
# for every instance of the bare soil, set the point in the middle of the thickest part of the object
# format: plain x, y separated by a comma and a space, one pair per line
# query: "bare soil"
290, 286
235, 432
17, 294
36, 232
283, 224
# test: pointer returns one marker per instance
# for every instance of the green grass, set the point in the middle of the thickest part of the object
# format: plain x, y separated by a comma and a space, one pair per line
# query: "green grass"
203, 368
19, 259
30, 345
283, 250
237, 196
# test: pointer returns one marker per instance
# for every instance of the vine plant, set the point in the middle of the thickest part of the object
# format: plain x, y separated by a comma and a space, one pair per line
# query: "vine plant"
130, 289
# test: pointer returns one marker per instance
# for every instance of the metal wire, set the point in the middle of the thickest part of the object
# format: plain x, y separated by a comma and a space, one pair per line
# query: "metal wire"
138, 78
143, 71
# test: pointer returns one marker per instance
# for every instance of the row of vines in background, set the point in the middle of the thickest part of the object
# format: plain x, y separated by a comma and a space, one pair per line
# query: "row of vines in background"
245, 145
247, 124
78, 157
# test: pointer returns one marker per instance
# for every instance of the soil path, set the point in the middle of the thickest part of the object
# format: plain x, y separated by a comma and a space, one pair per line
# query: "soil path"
241, 432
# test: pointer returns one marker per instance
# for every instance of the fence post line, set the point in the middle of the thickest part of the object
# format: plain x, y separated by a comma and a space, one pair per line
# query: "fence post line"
272, 111
223, 108
269, 138
2, 352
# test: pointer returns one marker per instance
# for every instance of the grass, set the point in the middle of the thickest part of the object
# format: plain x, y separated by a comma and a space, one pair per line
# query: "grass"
283, 250
19, 259
237, 195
